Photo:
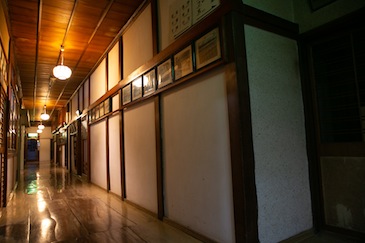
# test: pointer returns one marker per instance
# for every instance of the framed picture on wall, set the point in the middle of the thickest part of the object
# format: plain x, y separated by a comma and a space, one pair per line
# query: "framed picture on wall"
149, 82
183, 62
126, 93
107, 106
97, 112
137, 88
101, 110
93, 114
207, 48
164, 74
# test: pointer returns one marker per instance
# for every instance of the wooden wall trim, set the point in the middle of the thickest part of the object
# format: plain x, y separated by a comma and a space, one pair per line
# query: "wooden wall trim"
240, 129
122, 154
107, 155
159, 165
269, 22
189, 231
88, 153
354, 19
107, 73
314, 148
121, 58
4, 155
79, 148
311, 138
155, 29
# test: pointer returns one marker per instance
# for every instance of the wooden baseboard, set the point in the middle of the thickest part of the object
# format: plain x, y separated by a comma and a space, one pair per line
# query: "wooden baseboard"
141, 208
188, 231
299, 237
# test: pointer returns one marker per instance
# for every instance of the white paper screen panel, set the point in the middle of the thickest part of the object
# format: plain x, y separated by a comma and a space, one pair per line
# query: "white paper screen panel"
197, 171
81, 98
140, 155
86, 94
113, 67
137, 42
114, 155
98, 82
98, 154
74, 106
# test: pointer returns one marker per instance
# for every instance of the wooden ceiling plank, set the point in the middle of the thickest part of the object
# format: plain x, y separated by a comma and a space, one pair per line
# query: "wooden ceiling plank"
93, 27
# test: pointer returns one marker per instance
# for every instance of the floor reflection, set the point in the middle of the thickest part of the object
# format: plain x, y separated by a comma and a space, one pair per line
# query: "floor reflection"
51, 205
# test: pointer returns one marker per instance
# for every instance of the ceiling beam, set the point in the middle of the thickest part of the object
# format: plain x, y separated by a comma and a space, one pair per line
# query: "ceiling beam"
39, 21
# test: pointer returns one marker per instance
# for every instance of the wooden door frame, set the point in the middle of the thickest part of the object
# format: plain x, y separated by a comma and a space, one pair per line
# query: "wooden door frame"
316, 149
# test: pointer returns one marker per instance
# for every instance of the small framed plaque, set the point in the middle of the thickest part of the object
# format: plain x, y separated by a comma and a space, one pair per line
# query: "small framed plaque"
149, 82
107, 106
126, 93
164, 74
183, 62
207, 48
137, 88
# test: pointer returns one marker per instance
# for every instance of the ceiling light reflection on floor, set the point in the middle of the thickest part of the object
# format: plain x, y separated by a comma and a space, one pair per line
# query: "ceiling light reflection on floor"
41, 205
45, 227
32, 188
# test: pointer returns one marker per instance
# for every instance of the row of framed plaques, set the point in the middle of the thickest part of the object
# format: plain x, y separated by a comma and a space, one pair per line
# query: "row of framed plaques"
193, 57
3, 68
100, 110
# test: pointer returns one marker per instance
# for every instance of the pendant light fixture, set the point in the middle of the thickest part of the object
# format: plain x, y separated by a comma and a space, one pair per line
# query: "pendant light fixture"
44, 115
41, 126
61, 71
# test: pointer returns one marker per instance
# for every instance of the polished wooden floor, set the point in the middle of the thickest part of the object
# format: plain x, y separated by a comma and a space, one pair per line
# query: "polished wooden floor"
49, 205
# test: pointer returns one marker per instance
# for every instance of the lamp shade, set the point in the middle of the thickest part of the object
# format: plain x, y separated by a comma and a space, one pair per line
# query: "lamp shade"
62, 72
41, 126
44, 116
39, 131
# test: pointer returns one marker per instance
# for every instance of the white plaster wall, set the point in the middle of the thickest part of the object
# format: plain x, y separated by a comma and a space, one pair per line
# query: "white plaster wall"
197, 165
281, 164
140, 155
45, 149
98, 82
164, 25
113, 66
137, 42
98, 172
282, 8
114, 155
308, 19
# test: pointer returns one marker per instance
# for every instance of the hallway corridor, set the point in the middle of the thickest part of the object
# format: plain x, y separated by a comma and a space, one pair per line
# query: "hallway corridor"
52, 206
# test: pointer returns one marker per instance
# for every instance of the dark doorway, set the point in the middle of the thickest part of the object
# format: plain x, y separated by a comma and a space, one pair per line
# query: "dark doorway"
32, 152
